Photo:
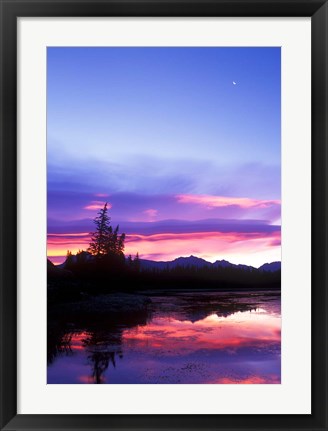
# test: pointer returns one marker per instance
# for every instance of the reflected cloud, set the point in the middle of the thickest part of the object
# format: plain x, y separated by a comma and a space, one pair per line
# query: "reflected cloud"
180, 343
241, 329
252, 380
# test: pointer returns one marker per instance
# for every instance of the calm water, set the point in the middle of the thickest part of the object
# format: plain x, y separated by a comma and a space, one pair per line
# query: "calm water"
186, 337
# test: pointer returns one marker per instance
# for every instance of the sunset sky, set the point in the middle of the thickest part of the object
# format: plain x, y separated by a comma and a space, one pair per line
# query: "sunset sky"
183, 144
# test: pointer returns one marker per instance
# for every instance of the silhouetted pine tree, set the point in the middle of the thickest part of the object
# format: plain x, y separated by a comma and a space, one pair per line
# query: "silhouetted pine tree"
69, 259
105, 241
136, 263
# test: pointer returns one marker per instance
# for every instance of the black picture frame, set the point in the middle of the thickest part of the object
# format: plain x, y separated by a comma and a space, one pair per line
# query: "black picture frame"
10, 11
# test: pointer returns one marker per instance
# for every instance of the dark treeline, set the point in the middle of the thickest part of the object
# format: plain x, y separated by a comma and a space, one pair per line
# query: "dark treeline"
109, 275
215, 275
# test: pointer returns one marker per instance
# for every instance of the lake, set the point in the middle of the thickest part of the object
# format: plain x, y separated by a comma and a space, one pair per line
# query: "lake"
179, 337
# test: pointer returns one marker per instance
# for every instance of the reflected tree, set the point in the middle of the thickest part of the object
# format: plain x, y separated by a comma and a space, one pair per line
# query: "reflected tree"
102, 348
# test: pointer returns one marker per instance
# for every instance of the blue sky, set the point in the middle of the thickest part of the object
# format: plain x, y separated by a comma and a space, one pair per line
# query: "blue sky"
140, 126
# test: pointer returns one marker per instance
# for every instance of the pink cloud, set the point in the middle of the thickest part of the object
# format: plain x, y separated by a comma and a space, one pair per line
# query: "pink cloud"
276, 242
151, 213
68, 238
67, 235
224, 201
97, 205
101, 195
231, 237
58, 244
251, 248
248, 248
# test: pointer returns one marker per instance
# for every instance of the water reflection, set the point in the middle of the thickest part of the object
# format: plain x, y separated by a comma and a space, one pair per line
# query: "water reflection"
182, 338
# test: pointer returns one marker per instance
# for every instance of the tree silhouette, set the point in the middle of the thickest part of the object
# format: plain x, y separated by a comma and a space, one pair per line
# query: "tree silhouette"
136, 262
105, 241
130, 261
69, 259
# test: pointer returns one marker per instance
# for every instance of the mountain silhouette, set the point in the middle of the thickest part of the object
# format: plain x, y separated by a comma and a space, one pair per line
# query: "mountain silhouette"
184, 262
270, 267
193, 261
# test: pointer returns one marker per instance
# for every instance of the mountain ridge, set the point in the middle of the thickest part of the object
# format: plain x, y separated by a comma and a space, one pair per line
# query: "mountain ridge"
201, 263
191, 261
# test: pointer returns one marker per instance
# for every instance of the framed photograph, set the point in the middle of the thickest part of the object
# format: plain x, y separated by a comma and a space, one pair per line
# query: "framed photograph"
163, 215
